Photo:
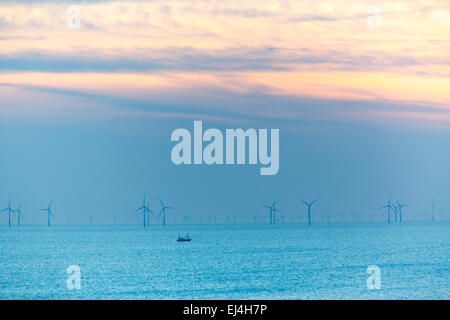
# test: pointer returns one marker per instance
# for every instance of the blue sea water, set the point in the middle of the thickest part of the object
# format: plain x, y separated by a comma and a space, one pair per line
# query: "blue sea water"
286, 261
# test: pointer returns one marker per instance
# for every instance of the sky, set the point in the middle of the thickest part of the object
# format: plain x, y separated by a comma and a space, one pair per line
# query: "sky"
359, 91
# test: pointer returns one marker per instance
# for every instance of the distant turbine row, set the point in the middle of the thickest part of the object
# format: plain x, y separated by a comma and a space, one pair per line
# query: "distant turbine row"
145, 210
397, 208
19, 212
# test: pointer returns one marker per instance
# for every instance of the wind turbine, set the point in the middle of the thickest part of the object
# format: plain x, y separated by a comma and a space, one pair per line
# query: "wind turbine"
309, 205
163, 211
273, 210
389, 207
19, 213
142, 208
400, 206
49, 212
9, 209
395, 208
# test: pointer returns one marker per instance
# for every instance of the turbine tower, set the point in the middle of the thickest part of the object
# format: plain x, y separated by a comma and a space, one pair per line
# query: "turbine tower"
142, 209
273, 210
9, 209
389, 207
400, 207
163, 211
49, 212
19, 213
395, 208
309, 205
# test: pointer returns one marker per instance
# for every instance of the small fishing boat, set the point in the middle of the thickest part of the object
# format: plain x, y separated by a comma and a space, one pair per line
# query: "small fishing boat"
184, 239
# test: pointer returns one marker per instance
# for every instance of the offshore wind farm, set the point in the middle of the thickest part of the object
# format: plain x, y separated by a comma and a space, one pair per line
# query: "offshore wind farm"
394, 208
270, 258
270, 149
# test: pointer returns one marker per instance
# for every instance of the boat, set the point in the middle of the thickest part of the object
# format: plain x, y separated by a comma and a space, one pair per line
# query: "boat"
184, 239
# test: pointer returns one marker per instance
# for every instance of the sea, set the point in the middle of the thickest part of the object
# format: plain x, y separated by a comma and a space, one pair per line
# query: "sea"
228, 261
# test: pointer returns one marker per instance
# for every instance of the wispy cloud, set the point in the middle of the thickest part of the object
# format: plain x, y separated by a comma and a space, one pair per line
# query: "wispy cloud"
235, 52
241, 108
231, 59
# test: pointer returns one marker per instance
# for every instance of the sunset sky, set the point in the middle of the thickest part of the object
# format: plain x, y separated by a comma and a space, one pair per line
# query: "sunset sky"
359, 89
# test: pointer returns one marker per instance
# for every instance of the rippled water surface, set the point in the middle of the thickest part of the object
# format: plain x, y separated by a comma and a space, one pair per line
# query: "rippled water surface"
327, 261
